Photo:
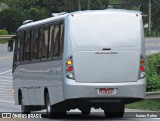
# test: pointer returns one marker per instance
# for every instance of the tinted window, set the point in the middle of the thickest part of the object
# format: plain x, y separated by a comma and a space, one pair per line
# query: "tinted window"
45, 42
27, 43
35, 44
61, 39
51, 40
56, 41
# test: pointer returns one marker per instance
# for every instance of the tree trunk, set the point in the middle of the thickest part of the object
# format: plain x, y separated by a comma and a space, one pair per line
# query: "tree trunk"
149, 21
89, 4
79, 4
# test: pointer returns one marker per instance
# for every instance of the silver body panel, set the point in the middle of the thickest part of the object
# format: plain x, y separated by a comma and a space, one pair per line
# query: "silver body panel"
33, 78
90, 90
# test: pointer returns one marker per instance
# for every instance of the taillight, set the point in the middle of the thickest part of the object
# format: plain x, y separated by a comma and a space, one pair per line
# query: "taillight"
69, 68
142, 68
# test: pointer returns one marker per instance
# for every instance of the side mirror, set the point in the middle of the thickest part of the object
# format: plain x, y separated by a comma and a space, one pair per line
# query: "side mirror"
10, 45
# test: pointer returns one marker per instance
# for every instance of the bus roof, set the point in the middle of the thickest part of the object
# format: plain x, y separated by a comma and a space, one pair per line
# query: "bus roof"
111, 11
79, 13
43, 21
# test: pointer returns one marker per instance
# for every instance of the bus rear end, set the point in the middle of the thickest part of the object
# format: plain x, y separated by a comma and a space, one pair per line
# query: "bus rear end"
106, 66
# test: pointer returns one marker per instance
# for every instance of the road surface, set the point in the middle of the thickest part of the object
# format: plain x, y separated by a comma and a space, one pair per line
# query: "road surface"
7, 100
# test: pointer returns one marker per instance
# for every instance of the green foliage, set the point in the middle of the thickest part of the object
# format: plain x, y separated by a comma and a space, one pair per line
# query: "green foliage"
3, 32
152, 105
11, 19
36, 14
119, 1
40, 9
152, 34
153, 72
3, 41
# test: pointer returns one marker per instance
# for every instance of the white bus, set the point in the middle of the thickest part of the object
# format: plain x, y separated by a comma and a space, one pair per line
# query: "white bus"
84, 60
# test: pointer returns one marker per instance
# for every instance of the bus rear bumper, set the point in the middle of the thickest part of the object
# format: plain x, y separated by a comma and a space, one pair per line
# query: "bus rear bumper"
128, 91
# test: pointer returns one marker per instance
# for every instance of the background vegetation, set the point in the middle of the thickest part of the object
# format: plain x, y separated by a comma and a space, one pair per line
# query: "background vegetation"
153, 72
152, 105
3, 32
14, 12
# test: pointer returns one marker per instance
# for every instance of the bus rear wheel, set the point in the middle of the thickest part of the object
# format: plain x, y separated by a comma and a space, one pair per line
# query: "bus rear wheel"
24, 109
54, 111
114, 111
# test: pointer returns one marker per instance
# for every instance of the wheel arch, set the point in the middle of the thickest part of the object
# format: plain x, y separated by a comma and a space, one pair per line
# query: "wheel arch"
19, 96
45, 94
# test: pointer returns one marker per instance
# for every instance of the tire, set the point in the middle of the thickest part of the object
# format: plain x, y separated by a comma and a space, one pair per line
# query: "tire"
53, 111
48, 106
24, 109
115, 111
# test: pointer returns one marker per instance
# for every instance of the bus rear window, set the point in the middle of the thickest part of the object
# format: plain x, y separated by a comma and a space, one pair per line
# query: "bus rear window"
105, 30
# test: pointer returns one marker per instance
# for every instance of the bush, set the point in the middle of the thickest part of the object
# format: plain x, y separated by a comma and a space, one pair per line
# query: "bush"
153, 72
3, 32
152, 34
3, 41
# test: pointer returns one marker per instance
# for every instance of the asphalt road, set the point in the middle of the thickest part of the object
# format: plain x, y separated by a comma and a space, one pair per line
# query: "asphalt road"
7, 100
152, 45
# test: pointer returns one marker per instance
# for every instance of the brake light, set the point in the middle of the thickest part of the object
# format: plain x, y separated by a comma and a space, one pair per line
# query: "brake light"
142, 68
69, 68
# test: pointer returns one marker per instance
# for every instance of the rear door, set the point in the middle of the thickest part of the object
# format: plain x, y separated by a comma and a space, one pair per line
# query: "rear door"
120, 34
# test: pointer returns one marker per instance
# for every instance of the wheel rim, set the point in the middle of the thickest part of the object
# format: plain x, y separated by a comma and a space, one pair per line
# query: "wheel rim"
22, 107
48, 106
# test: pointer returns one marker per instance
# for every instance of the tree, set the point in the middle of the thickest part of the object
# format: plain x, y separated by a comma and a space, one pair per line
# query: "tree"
11, 19
36, 14
3, 6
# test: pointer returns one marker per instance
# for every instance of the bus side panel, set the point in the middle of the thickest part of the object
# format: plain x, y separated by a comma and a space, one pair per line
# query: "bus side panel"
16, 96
34, 78
25, 96
39, 97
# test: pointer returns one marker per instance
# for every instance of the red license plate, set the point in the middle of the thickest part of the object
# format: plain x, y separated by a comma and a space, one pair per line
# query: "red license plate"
106, 91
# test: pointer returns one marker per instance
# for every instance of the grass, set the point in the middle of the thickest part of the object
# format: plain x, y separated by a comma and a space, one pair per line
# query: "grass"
152, 105
3, 41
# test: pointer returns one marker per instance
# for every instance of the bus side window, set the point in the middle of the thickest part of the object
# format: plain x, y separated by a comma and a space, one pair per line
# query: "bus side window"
15, 59
45, 41
56, 41
41, 40
51, 41
19, 51
19, 46
27, 46
61, 39
35, 44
